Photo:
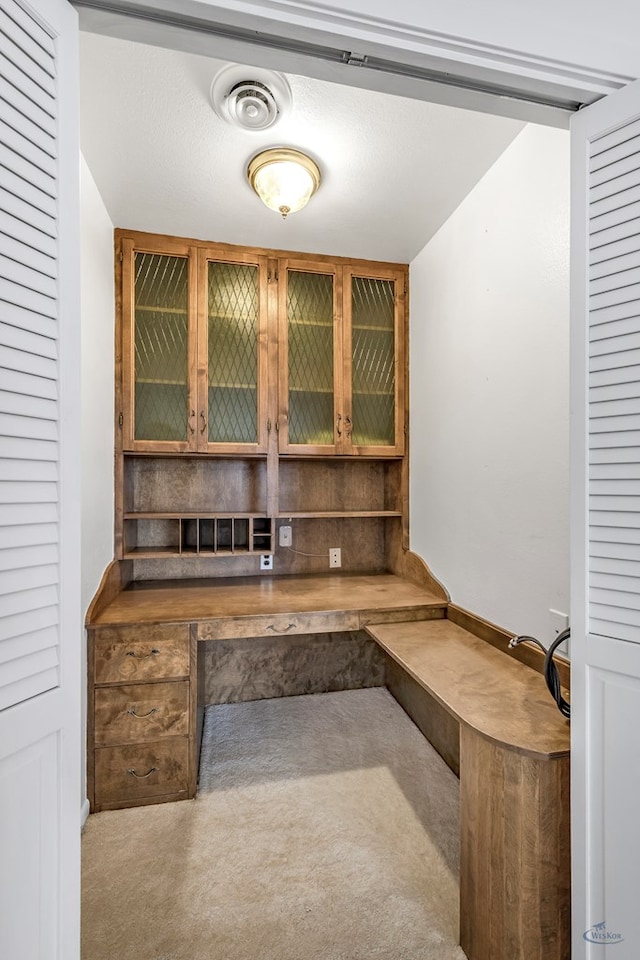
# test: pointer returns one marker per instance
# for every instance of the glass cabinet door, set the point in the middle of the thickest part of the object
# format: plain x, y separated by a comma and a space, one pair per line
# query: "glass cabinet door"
373, 362
233, 354
161, 400
310, 379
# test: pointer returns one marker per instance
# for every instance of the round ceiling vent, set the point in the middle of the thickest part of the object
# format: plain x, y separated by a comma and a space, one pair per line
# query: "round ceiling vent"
249, 97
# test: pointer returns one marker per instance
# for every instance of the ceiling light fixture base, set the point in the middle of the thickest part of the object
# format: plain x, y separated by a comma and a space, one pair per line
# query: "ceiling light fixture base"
250, 98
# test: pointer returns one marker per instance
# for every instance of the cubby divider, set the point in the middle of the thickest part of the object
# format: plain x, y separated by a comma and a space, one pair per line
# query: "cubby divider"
155, 535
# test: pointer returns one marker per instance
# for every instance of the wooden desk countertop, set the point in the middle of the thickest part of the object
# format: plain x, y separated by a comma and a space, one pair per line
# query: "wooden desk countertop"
246, 597
503, 700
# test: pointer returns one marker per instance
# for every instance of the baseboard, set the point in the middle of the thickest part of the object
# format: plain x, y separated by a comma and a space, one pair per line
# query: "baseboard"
84, 813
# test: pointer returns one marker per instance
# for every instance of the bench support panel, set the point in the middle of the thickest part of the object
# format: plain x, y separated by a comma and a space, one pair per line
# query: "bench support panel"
515, 863
433, 721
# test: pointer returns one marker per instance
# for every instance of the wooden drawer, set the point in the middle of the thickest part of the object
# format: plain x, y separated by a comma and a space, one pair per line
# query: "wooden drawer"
150, 652
141, 712
230, 628
141, 771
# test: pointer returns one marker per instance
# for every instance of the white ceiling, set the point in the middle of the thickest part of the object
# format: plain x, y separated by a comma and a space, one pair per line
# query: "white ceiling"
394, 169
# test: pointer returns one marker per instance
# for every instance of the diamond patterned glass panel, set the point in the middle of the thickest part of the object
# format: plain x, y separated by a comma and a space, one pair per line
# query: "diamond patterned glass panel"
310, 313
233, 353
373, 351
161, 325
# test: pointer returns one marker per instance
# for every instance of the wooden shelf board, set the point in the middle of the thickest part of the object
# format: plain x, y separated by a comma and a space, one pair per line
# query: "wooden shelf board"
158, 382
197, 515
152, 553
150, 308
336, 514
164, 553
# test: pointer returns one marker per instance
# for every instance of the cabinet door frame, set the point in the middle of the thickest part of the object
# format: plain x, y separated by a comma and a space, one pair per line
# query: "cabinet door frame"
250, 258
399, 277
284, 445
125, 345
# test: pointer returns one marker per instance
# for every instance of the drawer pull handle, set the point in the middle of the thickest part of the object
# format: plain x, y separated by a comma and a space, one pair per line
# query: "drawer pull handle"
144, 775
289, 626
132, 653
142, 716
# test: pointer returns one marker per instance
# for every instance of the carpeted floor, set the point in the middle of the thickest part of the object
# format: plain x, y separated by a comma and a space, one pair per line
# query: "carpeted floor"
325, 828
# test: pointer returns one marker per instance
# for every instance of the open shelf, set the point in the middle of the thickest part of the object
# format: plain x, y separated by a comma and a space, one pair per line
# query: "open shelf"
334, 488
158, 535
336, 514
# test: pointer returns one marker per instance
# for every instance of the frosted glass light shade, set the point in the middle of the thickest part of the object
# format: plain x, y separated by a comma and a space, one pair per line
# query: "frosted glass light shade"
284, 179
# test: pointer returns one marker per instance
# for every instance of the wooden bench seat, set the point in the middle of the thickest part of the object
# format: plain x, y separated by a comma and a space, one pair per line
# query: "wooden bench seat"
493, 694
493, 720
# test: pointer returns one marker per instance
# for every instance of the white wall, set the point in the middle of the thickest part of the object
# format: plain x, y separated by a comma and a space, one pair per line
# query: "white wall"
489, 351
97, 347
98, 311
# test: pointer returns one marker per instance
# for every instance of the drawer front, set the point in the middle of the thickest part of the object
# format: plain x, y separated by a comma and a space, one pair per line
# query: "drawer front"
148, 652
140, 712
141, 771
281, 625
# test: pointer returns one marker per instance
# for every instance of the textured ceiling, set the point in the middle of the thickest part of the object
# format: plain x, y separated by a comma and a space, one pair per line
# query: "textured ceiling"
394, 169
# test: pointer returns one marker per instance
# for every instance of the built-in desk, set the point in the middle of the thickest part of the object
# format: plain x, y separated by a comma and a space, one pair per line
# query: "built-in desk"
487, 713
245, 606
147, 668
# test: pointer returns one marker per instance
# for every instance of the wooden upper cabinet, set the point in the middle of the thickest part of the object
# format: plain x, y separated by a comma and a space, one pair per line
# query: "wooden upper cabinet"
232, 353
194, 349
218, 345
159, 340
341, 370
310, 358
374, 352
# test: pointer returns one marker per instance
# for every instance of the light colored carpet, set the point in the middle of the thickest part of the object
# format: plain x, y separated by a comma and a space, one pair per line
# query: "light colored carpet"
325, 828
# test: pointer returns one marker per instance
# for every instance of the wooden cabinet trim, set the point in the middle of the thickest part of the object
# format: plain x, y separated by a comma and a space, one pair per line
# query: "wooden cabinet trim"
159, 243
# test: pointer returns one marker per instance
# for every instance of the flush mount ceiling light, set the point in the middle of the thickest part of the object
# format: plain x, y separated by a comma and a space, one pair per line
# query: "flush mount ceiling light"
284, 179
249, 97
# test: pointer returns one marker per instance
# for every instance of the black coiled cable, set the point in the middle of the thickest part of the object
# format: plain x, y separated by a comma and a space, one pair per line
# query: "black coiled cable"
549, 669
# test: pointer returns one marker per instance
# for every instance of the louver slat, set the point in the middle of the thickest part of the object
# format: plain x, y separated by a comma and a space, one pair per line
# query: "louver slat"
614, 385
615, 264
614, 143
614, 220
626, 234
29, 512
619, 162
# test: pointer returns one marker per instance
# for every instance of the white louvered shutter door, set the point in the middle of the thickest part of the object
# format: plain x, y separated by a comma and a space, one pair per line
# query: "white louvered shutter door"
614, 384
29, 518
605, 505
40, 624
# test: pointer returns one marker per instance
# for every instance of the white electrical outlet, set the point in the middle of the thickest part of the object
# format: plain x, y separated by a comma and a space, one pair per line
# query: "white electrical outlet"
558, 622
285, 537
266, 561
335, 557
